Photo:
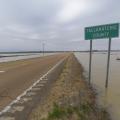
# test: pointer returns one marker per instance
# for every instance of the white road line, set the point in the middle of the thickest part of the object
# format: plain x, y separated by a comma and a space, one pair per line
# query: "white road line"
30, 88
2, 71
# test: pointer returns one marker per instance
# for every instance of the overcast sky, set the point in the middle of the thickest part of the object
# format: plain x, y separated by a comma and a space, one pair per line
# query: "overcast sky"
26, 24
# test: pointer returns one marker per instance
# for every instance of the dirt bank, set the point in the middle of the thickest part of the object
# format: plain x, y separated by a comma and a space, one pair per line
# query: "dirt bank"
70, 98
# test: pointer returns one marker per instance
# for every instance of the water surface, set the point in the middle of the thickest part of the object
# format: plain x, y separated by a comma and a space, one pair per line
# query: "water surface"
20, 56
109, 98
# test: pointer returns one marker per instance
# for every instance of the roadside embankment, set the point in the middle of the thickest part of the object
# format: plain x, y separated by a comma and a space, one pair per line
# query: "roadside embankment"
70, 98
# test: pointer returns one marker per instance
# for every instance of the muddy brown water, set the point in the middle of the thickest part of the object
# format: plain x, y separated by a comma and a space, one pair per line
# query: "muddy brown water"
109, 98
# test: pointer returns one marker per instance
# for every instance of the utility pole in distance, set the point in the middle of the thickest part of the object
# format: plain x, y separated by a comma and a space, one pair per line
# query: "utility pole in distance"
43, 46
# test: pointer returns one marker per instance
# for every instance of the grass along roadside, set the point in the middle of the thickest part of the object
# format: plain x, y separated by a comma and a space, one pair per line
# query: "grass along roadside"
70, 98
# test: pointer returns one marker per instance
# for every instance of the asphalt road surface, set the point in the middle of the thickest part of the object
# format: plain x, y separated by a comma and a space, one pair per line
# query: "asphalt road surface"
17, 76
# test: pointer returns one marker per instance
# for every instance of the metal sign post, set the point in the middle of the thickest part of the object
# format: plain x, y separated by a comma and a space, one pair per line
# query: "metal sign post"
90, 61
101, 32
108, 63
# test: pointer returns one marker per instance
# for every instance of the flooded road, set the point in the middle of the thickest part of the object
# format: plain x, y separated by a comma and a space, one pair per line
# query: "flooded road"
20, 56
109, 98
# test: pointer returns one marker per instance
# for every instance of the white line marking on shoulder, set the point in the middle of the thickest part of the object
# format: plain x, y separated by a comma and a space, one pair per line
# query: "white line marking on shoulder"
2, 71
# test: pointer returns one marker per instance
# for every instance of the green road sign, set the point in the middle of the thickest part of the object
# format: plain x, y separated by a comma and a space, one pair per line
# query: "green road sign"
102, 31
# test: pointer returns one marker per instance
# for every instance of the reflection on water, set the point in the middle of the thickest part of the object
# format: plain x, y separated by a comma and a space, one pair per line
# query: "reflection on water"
109, 98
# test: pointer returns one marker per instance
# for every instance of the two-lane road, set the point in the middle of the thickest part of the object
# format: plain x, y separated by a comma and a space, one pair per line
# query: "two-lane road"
17, 76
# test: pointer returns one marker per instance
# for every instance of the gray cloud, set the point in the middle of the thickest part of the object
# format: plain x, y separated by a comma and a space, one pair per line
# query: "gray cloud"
26, 24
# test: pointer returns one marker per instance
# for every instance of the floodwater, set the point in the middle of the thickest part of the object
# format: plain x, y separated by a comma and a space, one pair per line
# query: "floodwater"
20, 56
108, 98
